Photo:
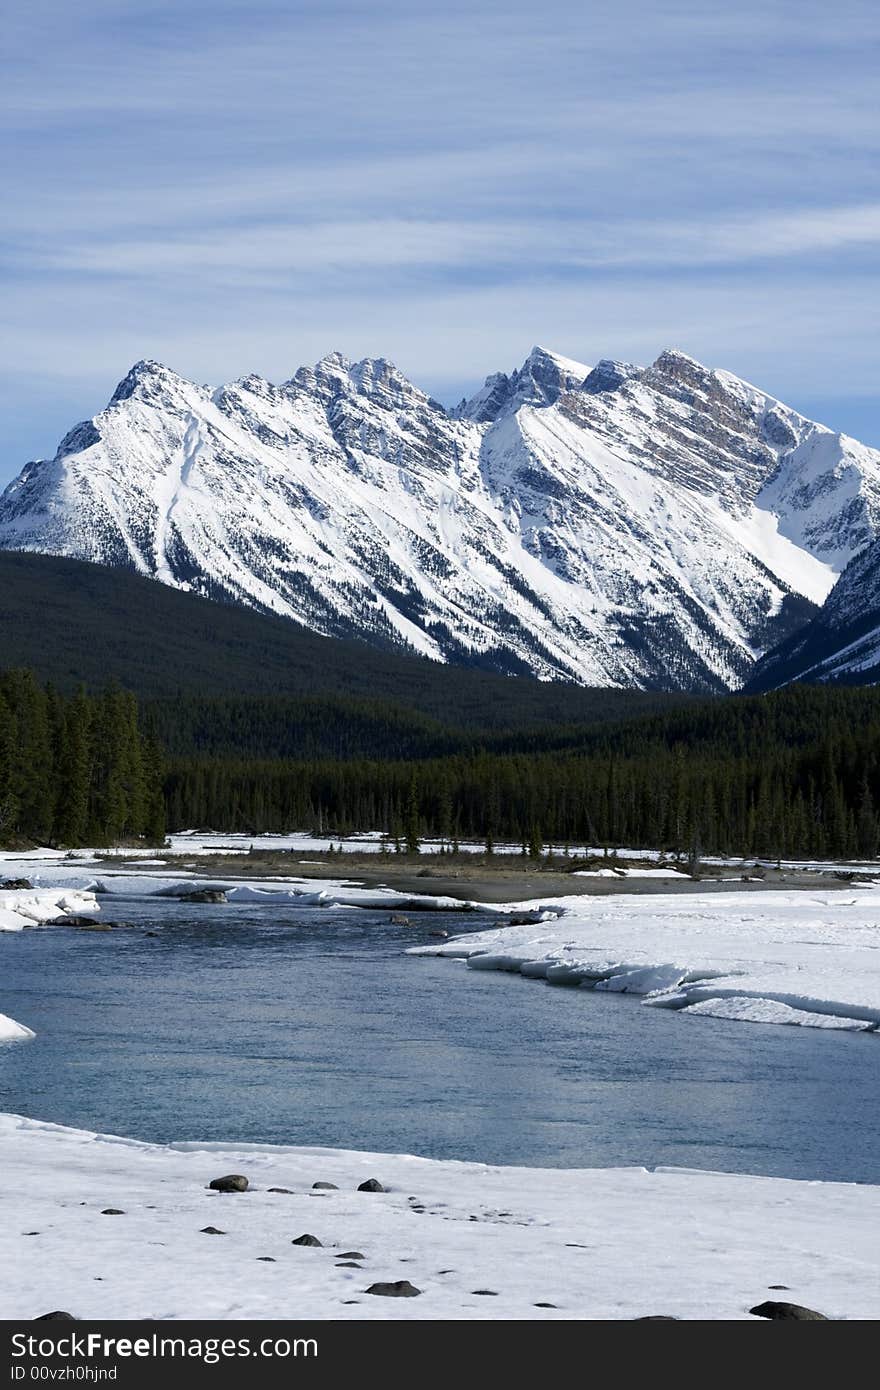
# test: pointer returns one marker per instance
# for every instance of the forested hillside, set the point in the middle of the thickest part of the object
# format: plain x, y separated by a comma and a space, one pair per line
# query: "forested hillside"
795, 773
71, 622
77, 769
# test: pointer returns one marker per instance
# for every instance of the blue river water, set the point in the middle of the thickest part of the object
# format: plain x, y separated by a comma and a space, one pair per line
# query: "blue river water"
311, 1026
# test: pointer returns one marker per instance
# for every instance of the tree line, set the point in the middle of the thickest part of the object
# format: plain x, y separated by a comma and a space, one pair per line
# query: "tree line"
809, 802
792, 774
78, 769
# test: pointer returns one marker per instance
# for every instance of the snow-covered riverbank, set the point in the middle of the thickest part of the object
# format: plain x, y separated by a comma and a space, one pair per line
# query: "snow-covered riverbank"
801, 958
106, 1227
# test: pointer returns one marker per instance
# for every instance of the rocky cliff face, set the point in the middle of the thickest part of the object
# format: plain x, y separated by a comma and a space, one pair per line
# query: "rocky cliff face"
614, 525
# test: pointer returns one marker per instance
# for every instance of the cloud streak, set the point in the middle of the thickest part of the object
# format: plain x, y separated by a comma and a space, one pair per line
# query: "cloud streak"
234, 186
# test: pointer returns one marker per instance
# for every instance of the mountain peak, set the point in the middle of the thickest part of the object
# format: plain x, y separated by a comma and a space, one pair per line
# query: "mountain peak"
147, 378
542, 357
608, 375
541, 380
333, 361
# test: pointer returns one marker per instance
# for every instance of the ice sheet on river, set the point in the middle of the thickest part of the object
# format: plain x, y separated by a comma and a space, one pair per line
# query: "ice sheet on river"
478, 1241
801, 958
341, 893
10, 1031
35, 907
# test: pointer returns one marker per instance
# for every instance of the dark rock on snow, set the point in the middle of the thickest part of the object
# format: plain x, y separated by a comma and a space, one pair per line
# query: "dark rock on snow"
17, 885
324, 1186
350, 1255
401, 1288
787, 1312
212, 1231
371, 1185
112, 1211
232, 1182
204, 895
308, 1240
57, 1316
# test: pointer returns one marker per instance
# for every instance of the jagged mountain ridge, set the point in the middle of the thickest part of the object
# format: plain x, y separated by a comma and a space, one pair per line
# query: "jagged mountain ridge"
652, 527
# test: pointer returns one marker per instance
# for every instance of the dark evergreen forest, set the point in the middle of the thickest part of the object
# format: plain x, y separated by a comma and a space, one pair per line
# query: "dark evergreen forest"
794, 773
75, 770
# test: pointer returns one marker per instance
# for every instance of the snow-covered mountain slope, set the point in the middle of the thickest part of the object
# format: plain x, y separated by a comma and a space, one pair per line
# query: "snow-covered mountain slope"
842, 643
657, 527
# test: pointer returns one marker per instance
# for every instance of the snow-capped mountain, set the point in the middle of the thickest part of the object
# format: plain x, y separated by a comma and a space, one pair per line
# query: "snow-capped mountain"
842, 643
615, 525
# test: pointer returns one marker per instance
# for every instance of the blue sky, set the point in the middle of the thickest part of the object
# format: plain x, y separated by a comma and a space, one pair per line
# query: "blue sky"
235, 187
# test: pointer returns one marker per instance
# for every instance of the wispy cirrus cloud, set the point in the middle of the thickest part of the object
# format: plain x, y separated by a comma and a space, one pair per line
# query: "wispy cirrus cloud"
235, 186
510, 249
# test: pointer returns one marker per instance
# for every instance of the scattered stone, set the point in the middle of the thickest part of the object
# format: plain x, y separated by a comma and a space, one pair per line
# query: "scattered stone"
308, 1240
656, 1317
324, 1187
30, 1233
486, 1293
399, 919
778, 1286
348, 1264
112, 1211
286, 1190
787, 1312
204, 895
371, 1185
151, 933
547, 1305
416, 1206
400, 1288
17, 885
350, 1255
439, 932
57, 1316
212, 1231
351, 1300
233, 1182
84, 923
267, 1259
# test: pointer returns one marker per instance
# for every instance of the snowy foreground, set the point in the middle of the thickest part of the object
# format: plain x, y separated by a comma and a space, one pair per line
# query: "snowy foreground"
803, 958
477, 1241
